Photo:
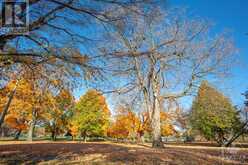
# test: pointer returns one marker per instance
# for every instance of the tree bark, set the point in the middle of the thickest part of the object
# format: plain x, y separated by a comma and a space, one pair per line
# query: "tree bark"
156, 130
53, 135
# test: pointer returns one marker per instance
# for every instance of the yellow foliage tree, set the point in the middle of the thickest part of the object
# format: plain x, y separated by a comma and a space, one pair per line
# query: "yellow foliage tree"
58, 110
91, 115
167, 128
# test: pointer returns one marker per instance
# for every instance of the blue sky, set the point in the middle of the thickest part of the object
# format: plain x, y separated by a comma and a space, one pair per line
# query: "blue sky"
231, 15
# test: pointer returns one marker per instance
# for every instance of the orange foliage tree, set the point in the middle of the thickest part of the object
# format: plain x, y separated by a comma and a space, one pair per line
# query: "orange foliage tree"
126, 124
19, 111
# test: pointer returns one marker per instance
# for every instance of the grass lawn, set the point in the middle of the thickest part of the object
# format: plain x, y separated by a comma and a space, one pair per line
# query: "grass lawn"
63, 152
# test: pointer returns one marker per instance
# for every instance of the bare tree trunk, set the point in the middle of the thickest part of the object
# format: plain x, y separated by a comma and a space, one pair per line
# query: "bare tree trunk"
6, 107
156, 130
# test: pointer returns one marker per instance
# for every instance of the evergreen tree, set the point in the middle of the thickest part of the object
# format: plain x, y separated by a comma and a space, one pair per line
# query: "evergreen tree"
213, 115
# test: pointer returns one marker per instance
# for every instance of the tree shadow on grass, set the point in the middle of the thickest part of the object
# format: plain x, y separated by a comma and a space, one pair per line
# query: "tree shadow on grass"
96, 153
42, 152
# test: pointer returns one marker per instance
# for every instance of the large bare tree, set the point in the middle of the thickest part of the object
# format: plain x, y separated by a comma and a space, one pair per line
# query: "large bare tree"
162, 57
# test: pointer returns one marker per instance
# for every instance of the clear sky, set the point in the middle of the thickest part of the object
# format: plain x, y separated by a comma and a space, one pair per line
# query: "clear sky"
231, 15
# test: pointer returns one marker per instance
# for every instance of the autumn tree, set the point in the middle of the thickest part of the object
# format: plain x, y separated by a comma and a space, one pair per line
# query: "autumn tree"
144, 126
58, 112
18, 114
17, 122
126, 124
20, 110
129, 125
7, 95
160, 57
91, 115
213, 115
43, 76
167, 128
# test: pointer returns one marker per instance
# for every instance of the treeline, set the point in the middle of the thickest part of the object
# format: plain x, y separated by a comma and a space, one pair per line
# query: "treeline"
212, 117
61, 115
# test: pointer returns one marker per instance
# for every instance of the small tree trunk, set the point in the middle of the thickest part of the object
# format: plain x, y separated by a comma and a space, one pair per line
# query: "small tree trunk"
31, 130
53, 135
18, 135
1, 132
140, 137
32, 125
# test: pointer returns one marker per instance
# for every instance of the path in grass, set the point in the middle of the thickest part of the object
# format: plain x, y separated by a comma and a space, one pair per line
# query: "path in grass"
112, 153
